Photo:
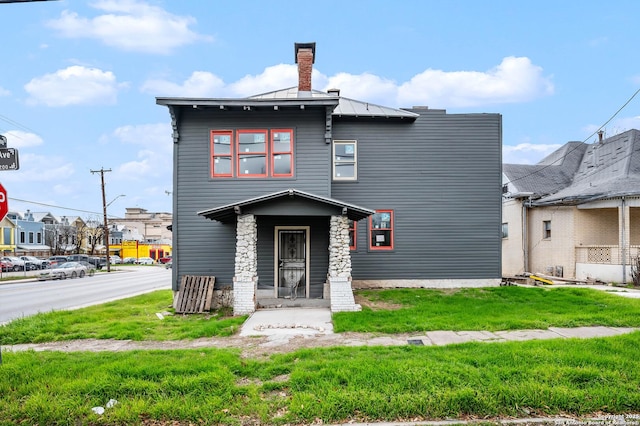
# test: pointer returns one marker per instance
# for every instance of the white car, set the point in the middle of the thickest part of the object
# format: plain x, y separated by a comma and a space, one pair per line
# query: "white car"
64, 271
145, 261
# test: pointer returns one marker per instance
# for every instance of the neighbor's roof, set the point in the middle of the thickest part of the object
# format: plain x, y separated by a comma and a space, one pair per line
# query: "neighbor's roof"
224, 213
606, 169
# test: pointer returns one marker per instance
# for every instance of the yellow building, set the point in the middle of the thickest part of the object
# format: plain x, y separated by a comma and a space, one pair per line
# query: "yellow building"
137, 250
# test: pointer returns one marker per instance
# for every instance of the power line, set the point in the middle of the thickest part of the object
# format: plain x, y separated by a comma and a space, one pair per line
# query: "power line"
583, 141
52, 205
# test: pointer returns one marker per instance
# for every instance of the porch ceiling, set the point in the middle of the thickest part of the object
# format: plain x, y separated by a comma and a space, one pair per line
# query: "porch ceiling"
227, 213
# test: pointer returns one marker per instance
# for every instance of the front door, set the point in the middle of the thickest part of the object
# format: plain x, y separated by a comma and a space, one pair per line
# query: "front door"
292, 262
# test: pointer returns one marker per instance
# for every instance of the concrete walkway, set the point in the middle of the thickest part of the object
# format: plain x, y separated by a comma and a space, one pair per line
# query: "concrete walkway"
286, 330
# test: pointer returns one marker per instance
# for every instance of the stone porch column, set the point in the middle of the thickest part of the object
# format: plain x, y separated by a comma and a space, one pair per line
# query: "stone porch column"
339, 276
245, 281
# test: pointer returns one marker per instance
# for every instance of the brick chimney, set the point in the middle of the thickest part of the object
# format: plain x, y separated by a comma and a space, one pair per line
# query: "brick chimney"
305, 57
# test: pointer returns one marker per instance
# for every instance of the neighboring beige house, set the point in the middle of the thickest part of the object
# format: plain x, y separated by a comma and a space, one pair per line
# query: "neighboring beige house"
576, 213
151, 226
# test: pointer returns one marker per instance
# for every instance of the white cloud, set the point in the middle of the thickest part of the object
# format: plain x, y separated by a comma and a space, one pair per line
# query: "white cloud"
20, 139
40, 168
130, 25
200, 84
272, 78
513, 80
527, 153
155, 156
75, 85
4, 92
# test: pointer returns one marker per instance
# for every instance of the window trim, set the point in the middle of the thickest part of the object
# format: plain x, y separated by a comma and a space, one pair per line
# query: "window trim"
240, 154
355, 160
546, 229
213, 153
273, 153
391, 230
505, 230
353, 228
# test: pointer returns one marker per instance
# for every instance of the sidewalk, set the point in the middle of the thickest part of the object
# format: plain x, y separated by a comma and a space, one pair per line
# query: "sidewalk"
279, 331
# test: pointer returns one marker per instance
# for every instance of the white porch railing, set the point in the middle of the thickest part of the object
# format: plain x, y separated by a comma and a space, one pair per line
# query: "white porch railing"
605, 254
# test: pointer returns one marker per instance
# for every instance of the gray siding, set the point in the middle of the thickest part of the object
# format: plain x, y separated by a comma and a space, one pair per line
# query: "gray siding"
441, 177
205, 247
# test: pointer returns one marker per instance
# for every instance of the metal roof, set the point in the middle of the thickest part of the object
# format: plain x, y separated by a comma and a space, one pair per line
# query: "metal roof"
226, 212
346, 107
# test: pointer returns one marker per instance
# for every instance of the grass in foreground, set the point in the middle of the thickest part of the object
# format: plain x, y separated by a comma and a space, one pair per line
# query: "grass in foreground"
133, 318
385, 311
215, 386
491, 309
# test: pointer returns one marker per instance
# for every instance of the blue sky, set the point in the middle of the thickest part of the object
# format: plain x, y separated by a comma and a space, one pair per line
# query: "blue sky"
78, 79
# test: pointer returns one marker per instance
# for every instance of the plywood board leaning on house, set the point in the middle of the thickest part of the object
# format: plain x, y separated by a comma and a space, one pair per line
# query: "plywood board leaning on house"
195, 294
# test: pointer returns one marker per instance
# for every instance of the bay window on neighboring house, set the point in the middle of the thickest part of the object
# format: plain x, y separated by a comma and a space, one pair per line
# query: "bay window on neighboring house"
31, 240
345, 160
22, 237
381, 230
255, 153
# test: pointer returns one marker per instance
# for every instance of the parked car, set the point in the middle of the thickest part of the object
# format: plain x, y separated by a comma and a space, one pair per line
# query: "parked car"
64, 271
55, 260
145, 261
115, 259
165, 259
91, 269
94, 260
169, 264
6, 265
33, 262
129, 260
18, 264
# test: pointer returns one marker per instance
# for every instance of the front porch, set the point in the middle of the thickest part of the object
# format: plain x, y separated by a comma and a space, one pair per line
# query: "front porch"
608, 263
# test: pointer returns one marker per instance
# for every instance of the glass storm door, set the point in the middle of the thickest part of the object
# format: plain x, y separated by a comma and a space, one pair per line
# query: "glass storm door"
292, 261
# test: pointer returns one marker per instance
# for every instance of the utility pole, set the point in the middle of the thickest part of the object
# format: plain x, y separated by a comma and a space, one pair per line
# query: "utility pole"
104, 209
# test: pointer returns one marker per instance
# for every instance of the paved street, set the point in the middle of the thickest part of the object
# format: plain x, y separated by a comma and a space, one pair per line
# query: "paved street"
23, 298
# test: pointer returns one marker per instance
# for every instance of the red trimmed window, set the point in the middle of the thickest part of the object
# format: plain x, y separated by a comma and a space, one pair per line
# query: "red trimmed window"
353, 234
252, 153
222, 153
281, 153
381, 230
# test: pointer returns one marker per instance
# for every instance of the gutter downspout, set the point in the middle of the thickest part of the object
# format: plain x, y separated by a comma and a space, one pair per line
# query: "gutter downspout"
624, 243
525, 235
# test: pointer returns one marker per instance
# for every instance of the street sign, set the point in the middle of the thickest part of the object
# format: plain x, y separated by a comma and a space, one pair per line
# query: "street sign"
9, 159
4, 203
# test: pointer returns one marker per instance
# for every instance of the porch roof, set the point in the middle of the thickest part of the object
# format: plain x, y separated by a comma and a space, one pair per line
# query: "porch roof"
228, 212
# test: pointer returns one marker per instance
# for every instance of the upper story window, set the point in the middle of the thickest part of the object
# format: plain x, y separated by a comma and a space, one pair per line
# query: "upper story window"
546, 229
252, 153
345, 160
381, 230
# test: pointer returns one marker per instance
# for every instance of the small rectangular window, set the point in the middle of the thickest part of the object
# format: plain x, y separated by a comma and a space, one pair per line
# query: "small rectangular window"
381, 230
39, 238
222, 153
282, 152
505, 230
353, 234
345, 160
252, 153
31, 238
22, 237
546, 229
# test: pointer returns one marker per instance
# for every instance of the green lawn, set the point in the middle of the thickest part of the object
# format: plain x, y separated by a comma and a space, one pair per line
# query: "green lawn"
491, 309
332, 385
406, 311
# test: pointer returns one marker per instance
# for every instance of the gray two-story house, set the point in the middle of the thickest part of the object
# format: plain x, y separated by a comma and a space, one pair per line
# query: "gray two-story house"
302, 194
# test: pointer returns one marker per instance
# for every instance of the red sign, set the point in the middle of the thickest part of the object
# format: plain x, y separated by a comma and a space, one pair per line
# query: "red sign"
4, 203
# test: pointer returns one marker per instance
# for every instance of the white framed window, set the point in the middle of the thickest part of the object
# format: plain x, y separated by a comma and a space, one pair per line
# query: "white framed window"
505, 230
345, 160
546, 229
